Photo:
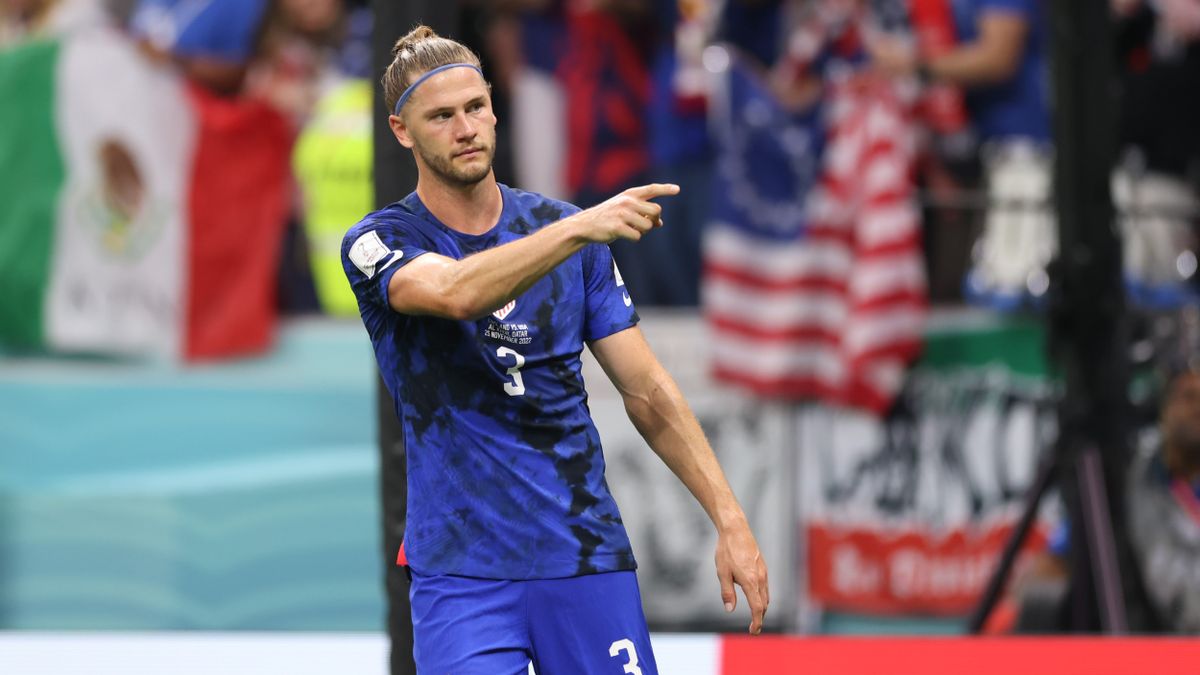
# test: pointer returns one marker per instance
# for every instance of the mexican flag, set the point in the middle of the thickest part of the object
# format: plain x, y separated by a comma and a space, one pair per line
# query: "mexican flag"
138, 214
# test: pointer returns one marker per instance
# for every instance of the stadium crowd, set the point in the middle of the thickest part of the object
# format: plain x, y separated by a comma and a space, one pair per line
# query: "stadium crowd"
602, 94
896, 153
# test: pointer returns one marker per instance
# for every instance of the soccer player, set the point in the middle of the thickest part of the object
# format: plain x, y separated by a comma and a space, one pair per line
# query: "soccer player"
479, 299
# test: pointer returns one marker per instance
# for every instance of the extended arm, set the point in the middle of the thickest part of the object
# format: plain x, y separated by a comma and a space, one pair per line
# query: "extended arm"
662, 416
991, 58
476, 285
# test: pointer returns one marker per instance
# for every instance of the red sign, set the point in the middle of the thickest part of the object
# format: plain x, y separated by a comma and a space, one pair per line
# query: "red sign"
764, 655
893, 572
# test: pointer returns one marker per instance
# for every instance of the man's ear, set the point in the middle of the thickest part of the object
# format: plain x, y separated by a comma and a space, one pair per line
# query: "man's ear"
400, 130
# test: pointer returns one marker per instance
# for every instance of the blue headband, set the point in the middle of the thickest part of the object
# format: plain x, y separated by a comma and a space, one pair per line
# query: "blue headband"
408, 92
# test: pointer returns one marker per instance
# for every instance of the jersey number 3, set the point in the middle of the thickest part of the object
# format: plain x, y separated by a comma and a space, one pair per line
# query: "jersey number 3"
626, 645
517, 386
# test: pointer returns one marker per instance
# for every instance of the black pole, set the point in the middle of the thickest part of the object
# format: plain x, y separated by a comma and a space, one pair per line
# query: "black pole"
1088, 340
1087, 318
392, 173
395, 175
1047, 473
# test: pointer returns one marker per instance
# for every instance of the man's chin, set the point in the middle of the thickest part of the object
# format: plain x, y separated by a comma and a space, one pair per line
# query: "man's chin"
458, 171
461, 176
470, 179
468, 171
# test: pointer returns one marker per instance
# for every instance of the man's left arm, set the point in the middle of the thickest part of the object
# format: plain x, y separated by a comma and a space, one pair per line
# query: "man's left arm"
662, 416
992, 58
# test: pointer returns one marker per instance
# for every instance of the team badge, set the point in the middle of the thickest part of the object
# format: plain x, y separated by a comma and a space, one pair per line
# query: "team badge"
504, 311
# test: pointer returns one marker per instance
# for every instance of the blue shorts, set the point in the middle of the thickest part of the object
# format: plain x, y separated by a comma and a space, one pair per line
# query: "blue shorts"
574, 626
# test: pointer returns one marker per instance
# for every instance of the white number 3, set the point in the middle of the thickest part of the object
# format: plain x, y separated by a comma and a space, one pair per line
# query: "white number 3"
626, 646
517, 386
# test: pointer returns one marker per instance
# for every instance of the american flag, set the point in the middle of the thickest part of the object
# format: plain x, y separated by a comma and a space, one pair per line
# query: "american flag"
814, 284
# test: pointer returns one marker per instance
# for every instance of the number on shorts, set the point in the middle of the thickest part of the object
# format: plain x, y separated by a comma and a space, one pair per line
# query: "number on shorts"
517, 386
626, 646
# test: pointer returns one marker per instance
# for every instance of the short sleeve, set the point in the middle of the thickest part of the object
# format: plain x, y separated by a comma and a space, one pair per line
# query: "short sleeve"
609, 309
372, 251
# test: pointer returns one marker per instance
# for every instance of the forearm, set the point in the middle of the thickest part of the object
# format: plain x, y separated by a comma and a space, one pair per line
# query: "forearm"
992, 58
470, 288
490, 278
663, 418
478, 284
971, 65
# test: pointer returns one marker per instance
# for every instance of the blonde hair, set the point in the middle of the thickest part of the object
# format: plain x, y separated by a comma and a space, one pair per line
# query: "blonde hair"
417, 53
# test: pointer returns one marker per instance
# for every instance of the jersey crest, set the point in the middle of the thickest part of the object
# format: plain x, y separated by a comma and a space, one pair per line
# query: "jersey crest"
504, 311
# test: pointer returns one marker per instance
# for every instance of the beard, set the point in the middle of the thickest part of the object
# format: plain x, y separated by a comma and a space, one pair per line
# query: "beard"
446, 170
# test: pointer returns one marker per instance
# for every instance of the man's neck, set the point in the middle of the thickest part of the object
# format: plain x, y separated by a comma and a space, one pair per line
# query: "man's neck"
472, 209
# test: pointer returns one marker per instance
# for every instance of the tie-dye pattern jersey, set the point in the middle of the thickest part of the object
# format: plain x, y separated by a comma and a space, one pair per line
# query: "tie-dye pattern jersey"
505, 471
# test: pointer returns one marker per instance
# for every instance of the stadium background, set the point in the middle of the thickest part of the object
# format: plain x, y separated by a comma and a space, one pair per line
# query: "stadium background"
211, 472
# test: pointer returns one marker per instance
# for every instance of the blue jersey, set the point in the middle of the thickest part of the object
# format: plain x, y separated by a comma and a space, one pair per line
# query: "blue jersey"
505, 470
1018, 107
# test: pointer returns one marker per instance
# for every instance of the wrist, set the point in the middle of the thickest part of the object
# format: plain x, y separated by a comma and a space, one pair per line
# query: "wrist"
730, 519
574, 229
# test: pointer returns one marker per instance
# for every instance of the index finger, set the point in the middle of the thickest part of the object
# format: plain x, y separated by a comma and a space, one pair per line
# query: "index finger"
756, 599
652, 190
758, 609
766, 585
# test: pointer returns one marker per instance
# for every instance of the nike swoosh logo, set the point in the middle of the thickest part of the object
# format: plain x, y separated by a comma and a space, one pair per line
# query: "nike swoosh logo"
396, 255
625, 297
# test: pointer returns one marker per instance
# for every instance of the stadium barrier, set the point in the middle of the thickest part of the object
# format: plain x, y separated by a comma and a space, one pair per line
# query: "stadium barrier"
702, 654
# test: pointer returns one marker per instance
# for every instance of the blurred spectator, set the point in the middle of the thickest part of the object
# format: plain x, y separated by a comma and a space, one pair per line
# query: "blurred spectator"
526, 45
21, 19
680, 152
299, 72
604, 72
213, 42
297, 55
1155, 187
678, 129
1000, 62
606, 81
333, 168
1163, 505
